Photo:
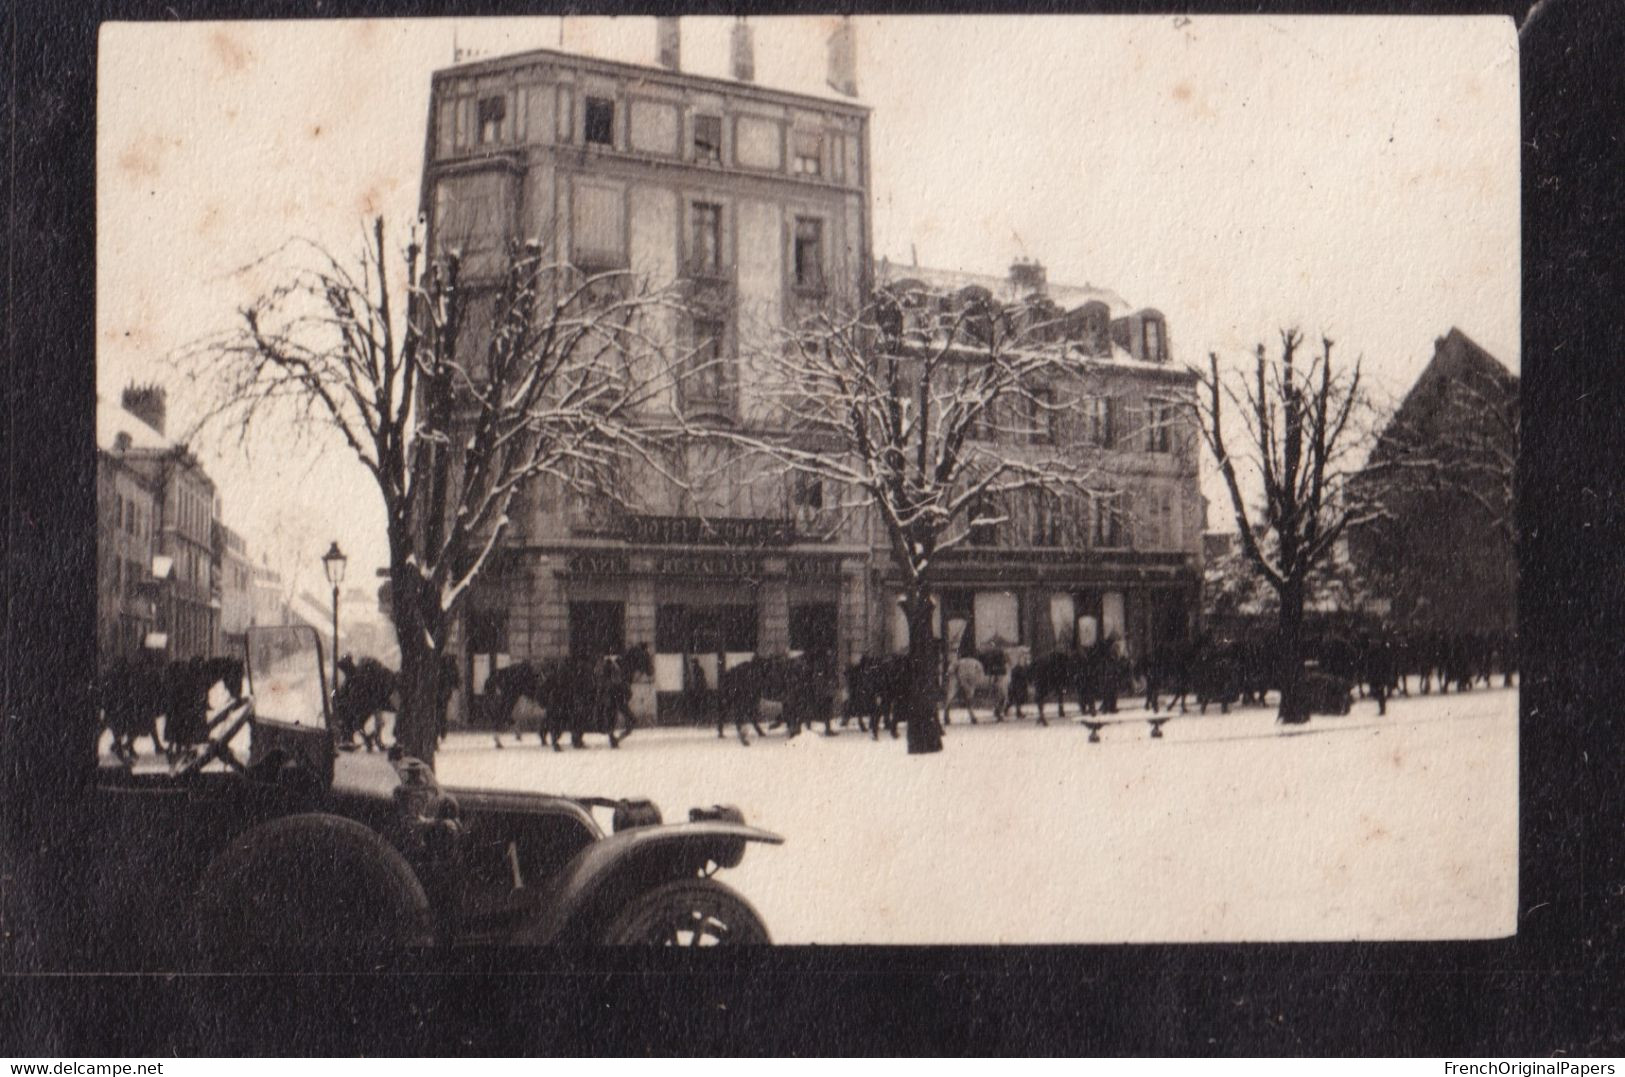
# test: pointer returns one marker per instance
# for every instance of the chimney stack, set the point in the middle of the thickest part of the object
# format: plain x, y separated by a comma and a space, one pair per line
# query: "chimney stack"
668, 42
744, 54
1028, 277
147, 403
843, 58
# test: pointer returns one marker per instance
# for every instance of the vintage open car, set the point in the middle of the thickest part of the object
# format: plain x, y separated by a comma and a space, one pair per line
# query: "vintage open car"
271, 847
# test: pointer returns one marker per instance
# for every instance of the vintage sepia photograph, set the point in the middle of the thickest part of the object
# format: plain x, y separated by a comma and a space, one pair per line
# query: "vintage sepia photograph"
807, 480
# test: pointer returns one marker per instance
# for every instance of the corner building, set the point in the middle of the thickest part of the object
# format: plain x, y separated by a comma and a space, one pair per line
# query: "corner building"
756, 201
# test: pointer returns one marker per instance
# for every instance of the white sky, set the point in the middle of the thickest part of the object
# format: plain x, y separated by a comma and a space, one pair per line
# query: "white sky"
1357, 176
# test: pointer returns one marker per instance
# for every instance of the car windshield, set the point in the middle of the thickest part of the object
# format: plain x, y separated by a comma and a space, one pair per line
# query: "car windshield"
285, 675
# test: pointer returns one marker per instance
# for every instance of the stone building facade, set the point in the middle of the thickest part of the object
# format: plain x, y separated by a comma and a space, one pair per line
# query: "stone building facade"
184, 585
756, 201
1124, 560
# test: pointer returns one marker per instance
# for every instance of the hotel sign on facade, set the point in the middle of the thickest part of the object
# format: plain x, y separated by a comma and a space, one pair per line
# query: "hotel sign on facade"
707, 531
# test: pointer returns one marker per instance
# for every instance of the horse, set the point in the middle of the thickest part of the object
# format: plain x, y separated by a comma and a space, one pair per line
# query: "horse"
369, 689
1166, 668
988, 670
503, 690
186, 705
613, 687
738, 696
790, 682
132, 698
1222, 674
1047, 677
875, 689
577, 694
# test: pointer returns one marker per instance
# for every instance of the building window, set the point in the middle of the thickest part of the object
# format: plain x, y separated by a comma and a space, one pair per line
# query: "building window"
807, 491
809, 253
808, 156
1159, 424
981, 426
599, 125
1108, 531
708, 139
1041, 415
1047, 518
1100, 417
598, 227
985, 532
493, 117
958, 605
705, 241
708, 381
1166, 525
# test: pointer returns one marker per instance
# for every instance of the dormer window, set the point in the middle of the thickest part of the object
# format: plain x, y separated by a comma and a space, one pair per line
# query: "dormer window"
599, 121
1153, 340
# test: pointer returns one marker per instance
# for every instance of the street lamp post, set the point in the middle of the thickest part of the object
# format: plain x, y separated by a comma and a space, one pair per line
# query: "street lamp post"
333, 562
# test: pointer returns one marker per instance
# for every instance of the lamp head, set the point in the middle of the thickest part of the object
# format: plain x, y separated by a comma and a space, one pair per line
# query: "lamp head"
333, 562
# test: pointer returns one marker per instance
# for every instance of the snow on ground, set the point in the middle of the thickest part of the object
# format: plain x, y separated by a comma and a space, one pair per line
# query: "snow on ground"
1228, 828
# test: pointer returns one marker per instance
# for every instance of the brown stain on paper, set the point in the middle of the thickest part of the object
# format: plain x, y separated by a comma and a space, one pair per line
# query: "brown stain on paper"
141, 159
376, 196
230, 53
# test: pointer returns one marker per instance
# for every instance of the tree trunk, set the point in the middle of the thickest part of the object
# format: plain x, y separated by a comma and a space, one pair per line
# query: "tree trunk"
417, 724
1293, 709
919, 703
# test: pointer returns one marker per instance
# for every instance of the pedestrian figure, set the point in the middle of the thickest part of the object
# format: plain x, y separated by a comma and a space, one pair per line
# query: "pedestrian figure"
1379, 668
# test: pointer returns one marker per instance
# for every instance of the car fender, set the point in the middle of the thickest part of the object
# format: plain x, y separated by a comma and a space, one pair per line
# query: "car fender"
607, 872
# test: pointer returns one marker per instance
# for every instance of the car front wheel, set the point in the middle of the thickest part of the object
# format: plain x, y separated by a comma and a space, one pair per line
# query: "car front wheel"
688, 912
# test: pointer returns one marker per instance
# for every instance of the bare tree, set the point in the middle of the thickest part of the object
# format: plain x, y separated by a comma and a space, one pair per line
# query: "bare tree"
1300, 432
453, 396
934, 420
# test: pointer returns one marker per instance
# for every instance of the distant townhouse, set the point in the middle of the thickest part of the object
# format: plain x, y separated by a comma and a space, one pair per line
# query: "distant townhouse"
185, 602
127, 509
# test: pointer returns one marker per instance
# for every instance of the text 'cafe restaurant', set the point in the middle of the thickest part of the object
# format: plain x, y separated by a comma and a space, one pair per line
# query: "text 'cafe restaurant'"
689, 588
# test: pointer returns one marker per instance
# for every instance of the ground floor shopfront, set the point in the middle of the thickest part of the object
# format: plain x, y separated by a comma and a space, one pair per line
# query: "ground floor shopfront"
698, 609
1042, 601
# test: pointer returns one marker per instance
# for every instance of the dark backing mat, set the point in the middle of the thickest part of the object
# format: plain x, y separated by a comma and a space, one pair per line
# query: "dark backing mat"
1552, 989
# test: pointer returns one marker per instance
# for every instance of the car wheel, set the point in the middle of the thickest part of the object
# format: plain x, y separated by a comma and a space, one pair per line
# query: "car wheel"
304, 889
688, 912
